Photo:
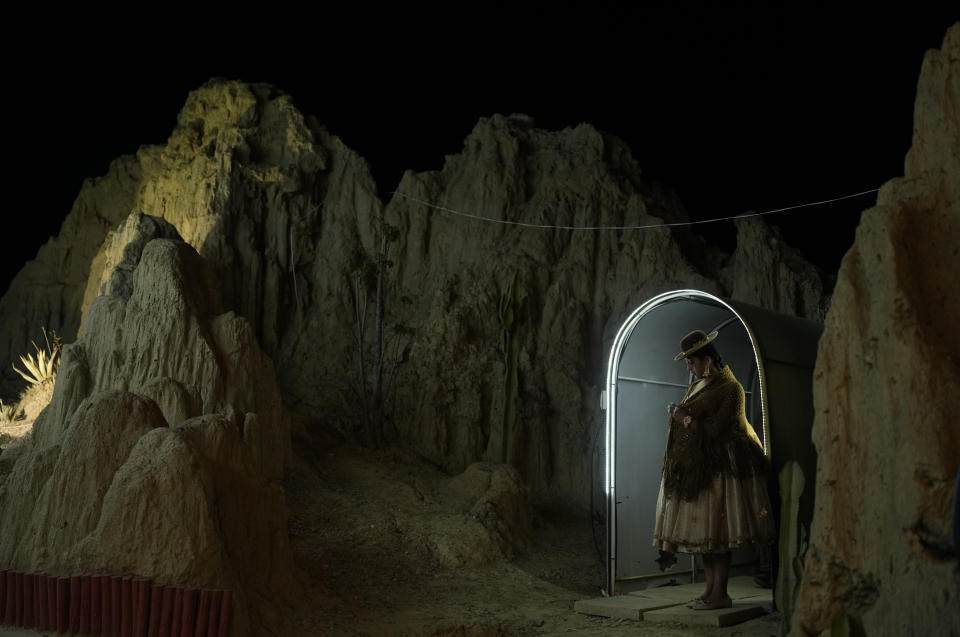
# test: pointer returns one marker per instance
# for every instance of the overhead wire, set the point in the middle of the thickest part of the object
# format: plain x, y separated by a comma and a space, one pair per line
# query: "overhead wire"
544, 226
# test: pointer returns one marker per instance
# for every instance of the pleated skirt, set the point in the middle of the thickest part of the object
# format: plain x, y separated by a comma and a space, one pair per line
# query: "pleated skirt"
730, 513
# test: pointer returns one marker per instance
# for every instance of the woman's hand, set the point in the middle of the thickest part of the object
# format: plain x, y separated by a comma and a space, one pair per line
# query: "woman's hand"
680, 415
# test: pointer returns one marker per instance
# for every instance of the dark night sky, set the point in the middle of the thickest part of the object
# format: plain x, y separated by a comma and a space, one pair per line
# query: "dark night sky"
740, 109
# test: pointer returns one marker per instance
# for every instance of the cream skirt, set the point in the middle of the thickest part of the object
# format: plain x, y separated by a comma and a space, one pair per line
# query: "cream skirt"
731, 513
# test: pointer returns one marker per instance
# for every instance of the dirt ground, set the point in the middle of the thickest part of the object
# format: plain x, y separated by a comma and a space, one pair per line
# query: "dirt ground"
386, 544
356, 524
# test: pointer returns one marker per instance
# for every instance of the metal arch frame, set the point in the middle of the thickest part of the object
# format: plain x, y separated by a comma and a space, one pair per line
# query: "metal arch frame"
613, 367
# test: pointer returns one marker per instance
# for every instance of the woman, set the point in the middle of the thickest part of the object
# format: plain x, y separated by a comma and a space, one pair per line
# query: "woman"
713, 494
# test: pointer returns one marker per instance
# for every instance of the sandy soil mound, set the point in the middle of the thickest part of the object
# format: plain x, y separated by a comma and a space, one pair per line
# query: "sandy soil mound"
383, 539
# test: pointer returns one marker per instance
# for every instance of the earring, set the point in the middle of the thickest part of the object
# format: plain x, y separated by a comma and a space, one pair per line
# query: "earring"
706, 372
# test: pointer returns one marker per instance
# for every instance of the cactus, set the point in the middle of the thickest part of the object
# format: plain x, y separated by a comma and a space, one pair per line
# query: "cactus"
792, 540
512, 311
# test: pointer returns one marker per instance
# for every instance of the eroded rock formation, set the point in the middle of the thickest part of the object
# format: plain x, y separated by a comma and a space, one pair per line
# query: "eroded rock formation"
886, 428
496, 335
766, 272
162, 448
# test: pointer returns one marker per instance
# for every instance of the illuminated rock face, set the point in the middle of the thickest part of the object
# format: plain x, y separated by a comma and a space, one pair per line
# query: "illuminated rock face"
885, 394
111, 271
487, 326
161, 452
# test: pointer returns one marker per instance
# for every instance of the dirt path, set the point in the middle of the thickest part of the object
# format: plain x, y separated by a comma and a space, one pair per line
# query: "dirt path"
366, 571
384, 547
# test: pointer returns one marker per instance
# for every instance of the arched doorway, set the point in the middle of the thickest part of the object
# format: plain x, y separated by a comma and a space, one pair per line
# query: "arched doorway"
773, 357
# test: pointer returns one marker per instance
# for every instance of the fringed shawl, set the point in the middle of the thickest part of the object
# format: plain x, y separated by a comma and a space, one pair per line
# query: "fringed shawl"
718, 440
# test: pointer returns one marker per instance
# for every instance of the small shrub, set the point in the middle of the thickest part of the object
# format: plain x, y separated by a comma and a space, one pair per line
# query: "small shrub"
43, 367
8, 413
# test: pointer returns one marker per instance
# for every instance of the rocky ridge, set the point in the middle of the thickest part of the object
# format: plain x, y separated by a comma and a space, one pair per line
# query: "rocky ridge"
885, 430
287, 215
211, 292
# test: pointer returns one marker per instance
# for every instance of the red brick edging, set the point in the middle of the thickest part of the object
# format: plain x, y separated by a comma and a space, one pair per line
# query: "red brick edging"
111, 606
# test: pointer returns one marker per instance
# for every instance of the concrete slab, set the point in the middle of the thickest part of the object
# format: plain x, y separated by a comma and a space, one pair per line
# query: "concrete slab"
738, 587
621, 606
741, 611
678, 594
668, 603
